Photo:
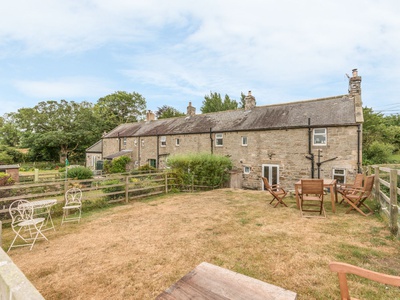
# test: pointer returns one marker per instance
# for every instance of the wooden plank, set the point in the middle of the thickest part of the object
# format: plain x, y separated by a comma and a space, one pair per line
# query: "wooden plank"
208, 281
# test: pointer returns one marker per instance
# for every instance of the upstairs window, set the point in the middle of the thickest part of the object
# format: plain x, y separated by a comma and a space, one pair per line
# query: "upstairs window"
319, 136
219, 140
244, 140
124, 141
163, 141
177, 142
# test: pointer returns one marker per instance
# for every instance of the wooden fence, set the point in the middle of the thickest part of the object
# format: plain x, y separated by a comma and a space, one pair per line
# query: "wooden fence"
110, 189
386, 191
101, 189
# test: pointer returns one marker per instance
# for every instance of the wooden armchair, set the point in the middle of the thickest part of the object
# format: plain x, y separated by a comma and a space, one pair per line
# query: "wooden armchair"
348, 188
357, 197
277, 192
342, 269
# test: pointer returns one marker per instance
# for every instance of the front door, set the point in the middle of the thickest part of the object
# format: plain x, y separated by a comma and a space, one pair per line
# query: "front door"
271, 172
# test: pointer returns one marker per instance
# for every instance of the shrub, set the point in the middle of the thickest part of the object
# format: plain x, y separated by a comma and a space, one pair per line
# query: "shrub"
201, 169
112, 189
378, 153
117, 165
5, 179
79, 173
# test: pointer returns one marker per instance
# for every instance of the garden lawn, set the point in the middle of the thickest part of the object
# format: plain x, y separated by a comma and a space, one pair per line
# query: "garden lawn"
137, 250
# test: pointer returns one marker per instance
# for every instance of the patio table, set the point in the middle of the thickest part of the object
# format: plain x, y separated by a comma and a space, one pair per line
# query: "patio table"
208, 281
43, 208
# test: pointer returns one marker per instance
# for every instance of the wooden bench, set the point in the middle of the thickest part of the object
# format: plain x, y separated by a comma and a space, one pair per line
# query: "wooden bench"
208, 281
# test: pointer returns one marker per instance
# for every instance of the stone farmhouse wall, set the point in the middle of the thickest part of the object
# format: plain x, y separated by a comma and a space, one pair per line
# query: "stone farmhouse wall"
286, 148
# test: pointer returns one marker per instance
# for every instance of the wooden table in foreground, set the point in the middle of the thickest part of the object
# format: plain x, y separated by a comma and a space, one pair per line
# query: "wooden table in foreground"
208, 281
330, 183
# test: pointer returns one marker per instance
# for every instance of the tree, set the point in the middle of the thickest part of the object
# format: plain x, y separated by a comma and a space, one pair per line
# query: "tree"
9, 133
166, 112
120, 107
242, 100
54, 130
214, 103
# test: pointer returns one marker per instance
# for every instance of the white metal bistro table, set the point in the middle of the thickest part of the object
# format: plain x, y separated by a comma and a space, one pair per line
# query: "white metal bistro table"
43, 208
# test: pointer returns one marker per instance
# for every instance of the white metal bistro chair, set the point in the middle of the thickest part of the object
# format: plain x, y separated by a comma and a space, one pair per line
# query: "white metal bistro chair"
26, 227
72, 209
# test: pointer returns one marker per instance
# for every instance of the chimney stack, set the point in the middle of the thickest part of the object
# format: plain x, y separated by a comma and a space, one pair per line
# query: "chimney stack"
249, 101
355, 83
150, 116
191, 111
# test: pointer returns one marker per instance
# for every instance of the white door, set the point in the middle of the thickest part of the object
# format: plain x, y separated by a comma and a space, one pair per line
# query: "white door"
271, 172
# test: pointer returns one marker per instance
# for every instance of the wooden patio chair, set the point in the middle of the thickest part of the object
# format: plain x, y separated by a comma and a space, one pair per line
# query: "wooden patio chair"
357, 197
277, 192
312, 197
346, 188
342, 269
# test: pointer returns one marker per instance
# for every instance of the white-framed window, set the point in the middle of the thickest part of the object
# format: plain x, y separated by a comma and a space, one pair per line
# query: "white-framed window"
246, 170
135, 143
177, 142
219, 139
339, 174
163, 141
142, 142
244, 140
319, 136
124, 141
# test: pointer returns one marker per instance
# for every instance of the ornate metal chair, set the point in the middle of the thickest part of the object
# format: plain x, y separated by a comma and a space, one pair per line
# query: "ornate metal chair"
72, 210
26, 227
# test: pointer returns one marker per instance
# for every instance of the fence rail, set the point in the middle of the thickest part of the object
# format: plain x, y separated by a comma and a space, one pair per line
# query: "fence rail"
386, 191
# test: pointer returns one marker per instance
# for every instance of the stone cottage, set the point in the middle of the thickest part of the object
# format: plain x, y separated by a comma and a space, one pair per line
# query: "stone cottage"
284, 142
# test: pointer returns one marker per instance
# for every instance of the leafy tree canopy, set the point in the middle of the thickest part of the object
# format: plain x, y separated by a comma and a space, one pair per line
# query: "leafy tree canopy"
214, 103
120, 107
52, 130
166, 112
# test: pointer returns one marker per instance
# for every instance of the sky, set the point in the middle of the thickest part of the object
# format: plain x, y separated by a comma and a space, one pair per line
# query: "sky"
177, 51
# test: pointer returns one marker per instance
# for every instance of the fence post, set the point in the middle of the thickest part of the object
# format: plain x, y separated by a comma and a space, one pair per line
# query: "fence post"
36, 176
126, 189
393, 208
377, 184
166, 182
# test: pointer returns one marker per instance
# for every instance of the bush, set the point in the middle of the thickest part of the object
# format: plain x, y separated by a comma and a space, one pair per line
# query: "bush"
201, 169
112, 189
117, 165
5, 179
79, 173
378, 153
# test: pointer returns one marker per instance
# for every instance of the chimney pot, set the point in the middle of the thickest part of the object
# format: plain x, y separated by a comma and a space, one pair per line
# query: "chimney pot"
355, 72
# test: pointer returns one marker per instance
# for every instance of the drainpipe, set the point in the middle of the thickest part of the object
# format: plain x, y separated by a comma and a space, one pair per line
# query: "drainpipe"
211, 141
119, 143
158, 151
359, 148
139, 150
310, 155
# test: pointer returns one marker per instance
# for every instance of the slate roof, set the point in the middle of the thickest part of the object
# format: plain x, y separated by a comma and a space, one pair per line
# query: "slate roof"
118, 154
325, 112
96, 147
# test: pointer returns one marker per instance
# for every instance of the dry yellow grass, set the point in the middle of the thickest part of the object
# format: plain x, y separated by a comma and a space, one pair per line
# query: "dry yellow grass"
135, 251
